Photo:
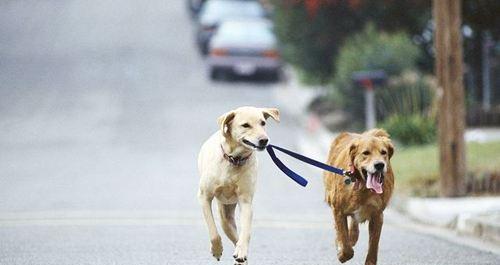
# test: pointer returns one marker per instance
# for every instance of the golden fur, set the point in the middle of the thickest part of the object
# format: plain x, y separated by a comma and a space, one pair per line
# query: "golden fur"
356, 201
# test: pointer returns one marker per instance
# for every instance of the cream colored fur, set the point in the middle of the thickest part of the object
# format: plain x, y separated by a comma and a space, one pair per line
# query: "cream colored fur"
240, 133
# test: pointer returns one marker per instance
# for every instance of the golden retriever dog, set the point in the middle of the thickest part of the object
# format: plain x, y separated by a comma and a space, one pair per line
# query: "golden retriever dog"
368, 156
228, 172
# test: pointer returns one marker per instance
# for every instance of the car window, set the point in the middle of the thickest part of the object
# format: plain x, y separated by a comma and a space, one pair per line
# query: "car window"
214, 11
246, 32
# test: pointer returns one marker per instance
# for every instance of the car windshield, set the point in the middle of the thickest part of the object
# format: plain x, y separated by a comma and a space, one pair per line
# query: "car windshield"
215, 11
246, 32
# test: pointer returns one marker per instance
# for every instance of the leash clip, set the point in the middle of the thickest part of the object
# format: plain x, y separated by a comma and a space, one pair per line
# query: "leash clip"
348, 177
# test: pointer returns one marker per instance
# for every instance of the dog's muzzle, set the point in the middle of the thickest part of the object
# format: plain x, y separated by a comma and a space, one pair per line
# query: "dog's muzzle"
262, 144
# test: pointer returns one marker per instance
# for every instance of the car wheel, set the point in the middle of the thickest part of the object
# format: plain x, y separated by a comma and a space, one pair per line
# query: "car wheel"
274, 76
215, 74
204, 48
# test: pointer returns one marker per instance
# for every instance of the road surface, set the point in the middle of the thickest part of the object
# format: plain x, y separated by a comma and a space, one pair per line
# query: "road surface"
103, 106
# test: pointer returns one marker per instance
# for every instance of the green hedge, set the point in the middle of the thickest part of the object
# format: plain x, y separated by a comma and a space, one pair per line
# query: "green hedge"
413, 129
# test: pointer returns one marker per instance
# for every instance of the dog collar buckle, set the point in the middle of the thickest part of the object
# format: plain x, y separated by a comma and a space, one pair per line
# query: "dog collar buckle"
236, 161
350, 175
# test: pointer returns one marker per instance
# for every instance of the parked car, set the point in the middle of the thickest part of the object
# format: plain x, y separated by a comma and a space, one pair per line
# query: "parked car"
244, 47
194, 6
215, 12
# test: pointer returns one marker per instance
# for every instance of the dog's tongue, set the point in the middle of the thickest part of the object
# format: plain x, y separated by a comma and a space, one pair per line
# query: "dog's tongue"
374, 182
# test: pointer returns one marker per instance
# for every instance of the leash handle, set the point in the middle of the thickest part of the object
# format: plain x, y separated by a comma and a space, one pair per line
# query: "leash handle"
296, 177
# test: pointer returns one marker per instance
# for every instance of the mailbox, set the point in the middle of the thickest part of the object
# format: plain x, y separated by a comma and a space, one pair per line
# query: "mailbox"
369, 80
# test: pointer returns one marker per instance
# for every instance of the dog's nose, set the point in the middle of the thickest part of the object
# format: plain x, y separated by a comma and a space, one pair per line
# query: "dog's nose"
379, 166
263, 142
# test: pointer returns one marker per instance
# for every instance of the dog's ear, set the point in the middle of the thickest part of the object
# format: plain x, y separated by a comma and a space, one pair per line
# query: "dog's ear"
224, 121
390, 147
271, 112
378, 133
353, 149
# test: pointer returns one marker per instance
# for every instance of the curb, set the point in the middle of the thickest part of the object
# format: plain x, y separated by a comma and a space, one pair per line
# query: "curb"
485, 226
472, 216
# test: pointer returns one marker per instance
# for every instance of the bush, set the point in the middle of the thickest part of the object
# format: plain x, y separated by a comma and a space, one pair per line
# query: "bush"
411, 129
407, 94
311, 42
408, 108
312, 32
370, 50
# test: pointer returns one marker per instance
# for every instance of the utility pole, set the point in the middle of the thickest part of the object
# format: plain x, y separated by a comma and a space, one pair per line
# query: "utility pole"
451, 115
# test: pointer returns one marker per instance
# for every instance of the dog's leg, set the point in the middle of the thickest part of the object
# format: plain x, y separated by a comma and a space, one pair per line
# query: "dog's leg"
353, 231
206, 203
374, 228
227, 221
344, 249
246, 213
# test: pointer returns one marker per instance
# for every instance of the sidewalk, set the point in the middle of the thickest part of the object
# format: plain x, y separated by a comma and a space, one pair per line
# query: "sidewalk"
474, 216
477, 216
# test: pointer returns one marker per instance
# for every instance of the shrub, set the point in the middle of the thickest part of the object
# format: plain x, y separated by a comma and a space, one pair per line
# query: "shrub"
408, 108
407, 94
411, 129
370, 50
312, 32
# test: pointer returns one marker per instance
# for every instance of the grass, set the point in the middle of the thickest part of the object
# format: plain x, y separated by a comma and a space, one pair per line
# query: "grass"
417, 167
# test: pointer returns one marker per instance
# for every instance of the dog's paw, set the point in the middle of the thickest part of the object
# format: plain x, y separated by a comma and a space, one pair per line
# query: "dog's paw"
240, 263
240, 255
216, 248
345, 254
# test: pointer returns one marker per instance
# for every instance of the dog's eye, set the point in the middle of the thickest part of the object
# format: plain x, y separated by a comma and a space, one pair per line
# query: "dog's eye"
366, 153
245, 125
383, 152
263, 123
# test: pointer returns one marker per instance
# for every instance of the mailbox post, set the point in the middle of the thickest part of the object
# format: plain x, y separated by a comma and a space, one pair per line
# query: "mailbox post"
368, 80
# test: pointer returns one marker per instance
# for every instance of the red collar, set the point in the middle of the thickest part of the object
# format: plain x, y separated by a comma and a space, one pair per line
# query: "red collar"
236, 161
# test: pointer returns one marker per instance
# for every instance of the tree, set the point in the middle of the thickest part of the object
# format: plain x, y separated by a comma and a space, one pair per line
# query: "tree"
312, 31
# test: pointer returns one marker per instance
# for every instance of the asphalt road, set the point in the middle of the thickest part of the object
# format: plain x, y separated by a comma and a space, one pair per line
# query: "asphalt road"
103, 107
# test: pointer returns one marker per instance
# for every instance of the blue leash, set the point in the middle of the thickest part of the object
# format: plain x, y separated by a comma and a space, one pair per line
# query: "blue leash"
298, 178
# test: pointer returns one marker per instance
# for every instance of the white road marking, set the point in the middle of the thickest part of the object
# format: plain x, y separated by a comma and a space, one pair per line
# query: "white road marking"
142, 218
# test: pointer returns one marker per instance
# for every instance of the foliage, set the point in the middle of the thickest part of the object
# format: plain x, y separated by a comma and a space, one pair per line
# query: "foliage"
408, 108
407, 94
482, 15
310, 43
370, 50
312, 31
479, 16
413, 129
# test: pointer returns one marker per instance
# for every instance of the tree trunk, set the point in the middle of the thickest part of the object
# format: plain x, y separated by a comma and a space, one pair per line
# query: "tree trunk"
449, 72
